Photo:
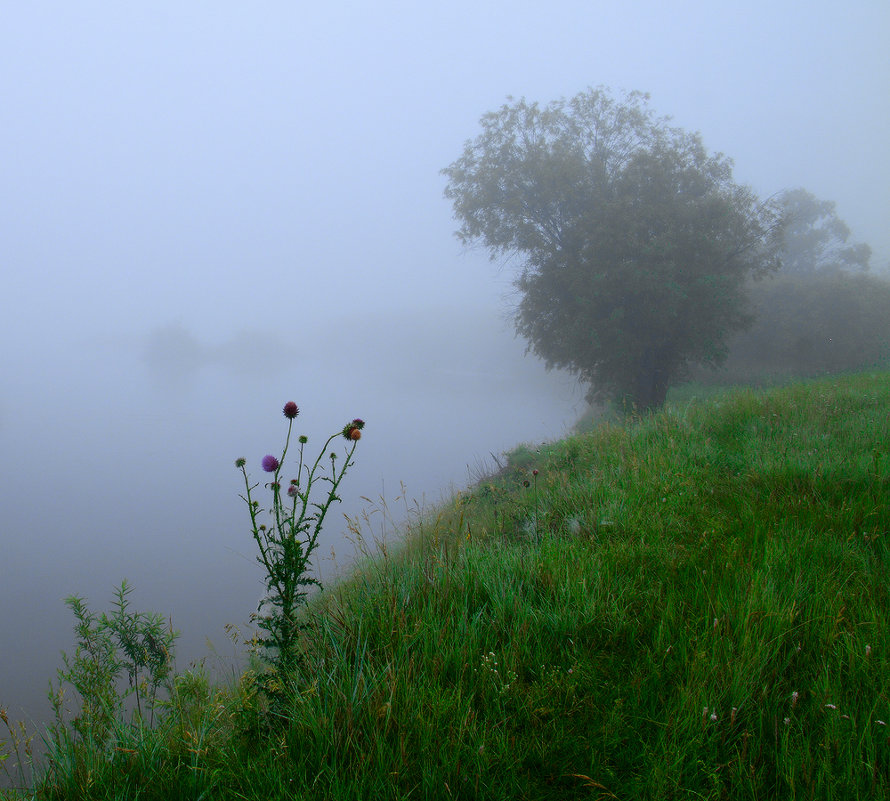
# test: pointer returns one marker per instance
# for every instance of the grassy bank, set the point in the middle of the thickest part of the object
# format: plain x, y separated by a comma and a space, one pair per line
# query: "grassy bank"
691, 605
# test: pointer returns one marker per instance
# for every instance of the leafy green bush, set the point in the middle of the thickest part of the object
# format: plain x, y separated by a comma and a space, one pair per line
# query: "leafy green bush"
135, 646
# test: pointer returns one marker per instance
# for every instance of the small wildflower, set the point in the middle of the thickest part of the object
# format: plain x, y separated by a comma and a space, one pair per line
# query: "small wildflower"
786, 721
794, 698
713, 716
270, 463
732, 715
534, 472
716, 621
293, 490
868, 650
704, 712
240, 462
880, 722
830, 706
291, 410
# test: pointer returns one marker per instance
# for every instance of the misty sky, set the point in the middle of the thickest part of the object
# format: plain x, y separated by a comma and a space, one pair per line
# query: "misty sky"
226, 164
209, 208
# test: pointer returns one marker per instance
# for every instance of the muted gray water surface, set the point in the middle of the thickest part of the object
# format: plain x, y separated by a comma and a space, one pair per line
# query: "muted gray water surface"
119, 464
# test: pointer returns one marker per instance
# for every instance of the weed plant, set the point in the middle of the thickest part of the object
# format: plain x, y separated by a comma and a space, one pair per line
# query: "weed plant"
688, 605
286, 543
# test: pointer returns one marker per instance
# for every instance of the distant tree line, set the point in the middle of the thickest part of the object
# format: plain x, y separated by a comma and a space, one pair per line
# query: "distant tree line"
822, 312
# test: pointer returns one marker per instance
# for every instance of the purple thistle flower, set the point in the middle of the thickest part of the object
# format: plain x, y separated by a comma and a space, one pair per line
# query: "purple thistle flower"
291, 410
270, 463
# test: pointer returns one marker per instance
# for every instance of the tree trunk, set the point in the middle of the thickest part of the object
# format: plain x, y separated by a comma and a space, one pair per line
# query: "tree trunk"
649, 391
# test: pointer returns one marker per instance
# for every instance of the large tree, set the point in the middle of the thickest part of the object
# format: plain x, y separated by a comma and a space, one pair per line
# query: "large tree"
815, 239
634, 241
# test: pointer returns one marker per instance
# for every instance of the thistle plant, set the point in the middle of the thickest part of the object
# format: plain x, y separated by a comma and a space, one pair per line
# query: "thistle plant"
287, 535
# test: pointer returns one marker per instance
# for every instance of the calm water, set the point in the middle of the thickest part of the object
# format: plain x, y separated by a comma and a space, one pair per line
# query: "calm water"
116, 468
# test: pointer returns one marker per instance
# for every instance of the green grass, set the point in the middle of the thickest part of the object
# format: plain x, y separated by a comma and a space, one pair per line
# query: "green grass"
693, 605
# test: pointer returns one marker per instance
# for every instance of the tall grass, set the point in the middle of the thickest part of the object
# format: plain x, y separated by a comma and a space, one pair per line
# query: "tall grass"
690, 605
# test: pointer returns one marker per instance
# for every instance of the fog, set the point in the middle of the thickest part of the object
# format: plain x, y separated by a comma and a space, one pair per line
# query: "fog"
209, 209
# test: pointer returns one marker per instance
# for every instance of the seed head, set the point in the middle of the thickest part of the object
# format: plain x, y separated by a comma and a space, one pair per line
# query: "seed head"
291, 410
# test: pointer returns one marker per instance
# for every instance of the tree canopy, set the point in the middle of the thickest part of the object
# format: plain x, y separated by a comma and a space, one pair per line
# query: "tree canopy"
634, 241
815, 239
